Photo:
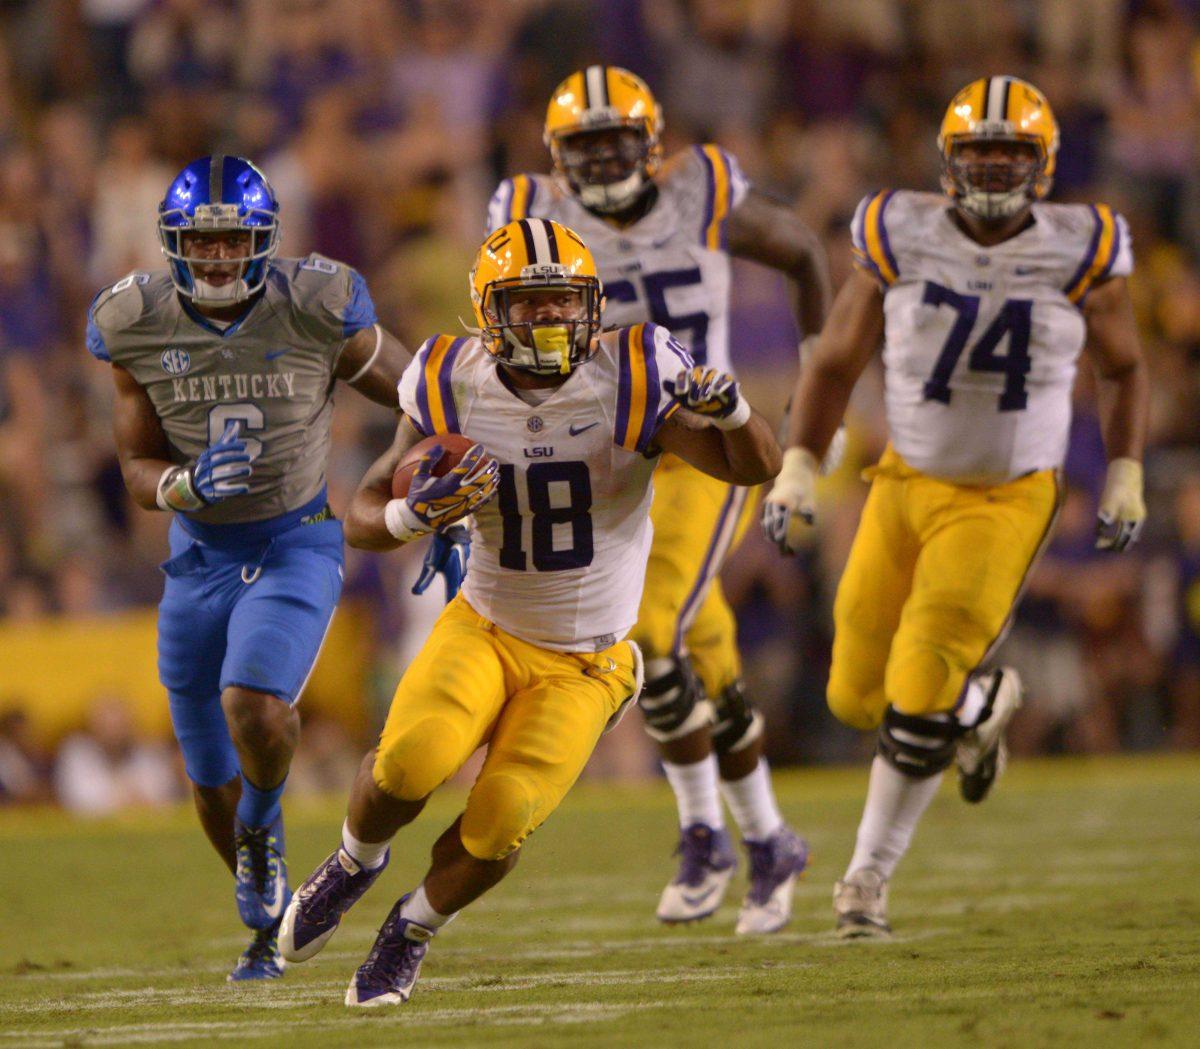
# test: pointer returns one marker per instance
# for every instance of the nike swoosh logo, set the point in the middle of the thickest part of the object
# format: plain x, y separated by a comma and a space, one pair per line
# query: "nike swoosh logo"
1024, 271
693, 901
276, 909
582, 429
278, 353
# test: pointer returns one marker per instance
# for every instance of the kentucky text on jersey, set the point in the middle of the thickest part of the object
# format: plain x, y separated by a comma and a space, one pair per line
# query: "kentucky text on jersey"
234, 387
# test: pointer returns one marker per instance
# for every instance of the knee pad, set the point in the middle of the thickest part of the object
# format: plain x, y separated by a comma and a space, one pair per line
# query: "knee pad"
501, 813
737, 724
419, 759
917, 746
672, 701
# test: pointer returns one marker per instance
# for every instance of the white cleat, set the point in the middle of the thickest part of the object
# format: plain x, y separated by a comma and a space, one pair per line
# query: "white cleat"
982, 752
860, 903
775, 864
706, 865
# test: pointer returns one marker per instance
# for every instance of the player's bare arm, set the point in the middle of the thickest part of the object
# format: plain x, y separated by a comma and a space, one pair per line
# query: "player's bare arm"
749, 455
1122, 376
372, 361
851, 336
1123, 388
141, 443
365, 527
768, 232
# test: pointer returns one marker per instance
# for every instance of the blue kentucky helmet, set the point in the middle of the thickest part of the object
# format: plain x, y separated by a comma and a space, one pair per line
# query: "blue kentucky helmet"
213, 194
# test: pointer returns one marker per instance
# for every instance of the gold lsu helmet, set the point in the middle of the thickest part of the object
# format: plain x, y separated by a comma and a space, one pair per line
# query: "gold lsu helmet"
606, 172
997, 109
536, 255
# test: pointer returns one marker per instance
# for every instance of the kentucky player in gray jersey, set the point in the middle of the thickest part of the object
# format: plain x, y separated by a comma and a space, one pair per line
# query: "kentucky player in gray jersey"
224, 367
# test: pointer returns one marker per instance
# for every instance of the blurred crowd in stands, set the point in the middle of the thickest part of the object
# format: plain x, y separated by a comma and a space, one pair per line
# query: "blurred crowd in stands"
385, 124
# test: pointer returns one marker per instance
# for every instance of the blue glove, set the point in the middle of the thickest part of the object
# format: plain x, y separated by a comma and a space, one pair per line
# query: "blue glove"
447, 554
222, 468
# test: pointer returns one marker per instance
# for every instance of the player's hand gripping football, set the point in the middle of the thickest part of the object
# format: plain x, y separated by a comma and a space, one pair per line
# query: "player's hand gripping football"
447, 555
1122, 506
434, 502
712, 395
791, 506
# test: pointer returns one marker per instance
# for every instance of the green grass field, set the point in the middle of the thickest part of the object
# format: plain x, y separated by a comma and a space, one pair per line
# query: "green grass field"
1064, 912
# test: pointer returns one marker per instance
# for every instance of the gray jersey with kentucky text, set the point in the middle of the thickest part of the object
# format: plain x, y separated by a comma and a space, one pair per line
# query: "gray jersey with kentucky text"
271, 371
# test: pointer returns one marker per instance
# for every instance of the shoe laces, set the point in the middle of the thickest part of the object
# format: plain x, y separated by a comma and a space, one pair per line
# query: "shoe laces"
695, 850
321, 894
263, 947
394, 958
257, 853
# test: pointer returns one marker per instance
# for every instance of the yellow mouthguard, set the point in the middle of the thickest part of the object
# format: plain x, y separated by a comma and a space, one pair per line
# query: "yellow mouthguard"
554, 340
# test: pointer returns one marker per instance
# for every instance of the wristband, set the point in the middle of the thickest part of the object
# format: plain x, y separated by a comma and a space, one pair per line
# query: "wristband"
799, 465
175, 491
401, 522
736, 419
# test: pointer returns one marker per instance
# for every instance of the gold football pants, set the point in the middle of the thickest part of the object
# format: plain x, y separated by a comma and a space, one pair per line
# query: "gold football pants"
540, 712
698, 521
933, 576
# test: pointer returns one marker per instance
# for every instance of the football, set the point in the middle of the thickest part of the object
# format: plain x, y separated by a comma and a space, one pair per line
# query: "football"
455, 446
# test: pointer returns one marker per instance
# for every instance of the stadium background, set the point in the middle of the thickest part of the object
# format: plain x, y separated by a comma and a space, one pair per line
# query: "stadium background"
384, 126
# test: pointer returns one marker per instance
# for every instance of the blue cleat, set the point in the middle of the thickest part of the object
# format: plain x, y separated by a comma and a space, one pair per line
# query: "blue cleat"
261, 960
261, 880
388, 975
706, 863
775, 864
318, 905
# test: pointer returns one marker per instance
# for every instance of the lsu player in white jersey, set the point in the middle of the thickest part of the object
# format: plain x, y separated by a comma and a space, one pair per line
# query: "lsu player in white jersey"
530, 658
663, 234
984, 297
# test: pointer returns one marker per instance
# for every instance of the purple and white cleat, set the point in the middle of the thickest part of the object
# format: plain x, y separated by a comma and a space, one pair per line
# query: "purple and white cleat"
390, 972
775, 864
318, 905
706, 863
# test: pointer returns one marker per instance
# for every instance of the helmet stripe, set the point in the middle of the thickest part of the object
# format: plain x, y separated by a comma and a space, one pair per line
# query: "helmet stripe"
995, 98
539, 241
1007, 98
595, 82
552, 236
216, 178
527, 235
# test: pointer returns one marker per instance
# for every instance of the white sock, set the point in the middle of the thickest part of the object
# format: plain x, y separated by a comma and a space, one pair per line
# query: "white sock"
895, 803
974, 698
368, 853
752, 802
695, 788
417, 908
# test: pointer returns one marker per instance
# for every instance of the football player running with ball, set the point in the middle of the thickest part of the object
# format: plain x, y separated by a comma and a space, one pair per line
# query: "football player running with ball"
224, 367
529, 658
984, 299
663, 235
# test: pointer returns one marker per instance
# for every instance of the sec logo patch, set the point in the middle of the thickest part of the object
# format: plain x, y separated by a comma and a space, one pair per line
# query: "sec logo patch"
175, 361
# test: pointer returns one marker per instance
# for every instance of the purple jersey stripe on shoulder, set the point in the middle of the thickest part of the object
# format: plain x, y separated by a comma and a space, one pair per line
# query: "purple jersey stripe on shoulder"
1090, 256
444, 387
883, 234
423, 388
653, 388
710, 196
624, 387
1114, 251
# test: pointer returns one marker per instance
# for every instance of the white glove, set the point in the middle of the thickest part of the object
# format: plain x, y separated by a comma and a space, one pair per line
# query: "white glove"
1122, 506
791, 507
